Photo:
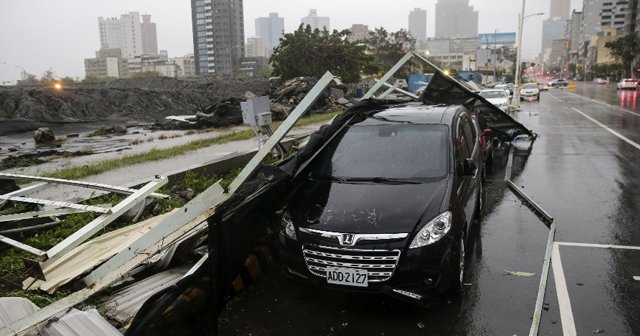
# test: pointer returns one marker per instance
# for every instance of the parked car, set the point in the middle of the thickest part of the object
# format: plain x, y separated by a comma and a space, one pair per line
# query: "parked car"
601, 81
530, 91
505, 87
388, 204
627, 83
497, 97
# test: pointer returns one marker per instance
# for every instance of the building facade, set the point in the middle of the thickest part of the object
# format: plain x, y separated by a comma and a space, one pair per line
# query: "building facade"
575, 27
560, 8
455, 19
270, 30
315, 21
108, 63
128, 34
149, 35
554, 28
359, 32
254, 48
218, 35
418, 24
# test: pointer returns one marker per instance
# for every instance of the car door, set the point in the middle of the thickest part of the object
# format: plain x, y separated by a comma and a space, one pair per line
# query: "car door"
464, 151
471, 137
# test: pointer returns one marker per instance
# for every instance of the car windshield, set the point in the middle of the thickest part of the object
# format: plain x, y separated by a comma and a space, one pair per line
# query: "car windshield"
493, 94
530, 86
388, 151
629, 80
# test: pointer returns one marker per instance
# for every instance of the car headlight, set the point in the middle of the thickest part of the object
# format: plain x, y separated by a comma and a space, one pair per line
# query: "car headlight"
433, 231
287, 229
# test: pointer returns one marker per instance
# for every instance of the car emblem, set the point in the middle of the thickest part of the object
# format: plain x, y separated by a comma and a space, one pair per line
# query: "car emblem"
347, 239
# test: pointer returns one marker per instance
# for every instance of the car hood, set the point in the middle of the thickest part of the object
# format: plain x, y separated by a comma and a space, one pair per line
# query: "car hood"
365, 207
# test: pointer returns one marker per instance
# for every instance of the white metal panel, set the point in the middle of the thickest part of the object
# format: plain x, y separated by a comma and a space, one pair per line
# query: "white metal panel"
15, 308
123, 305
80, 323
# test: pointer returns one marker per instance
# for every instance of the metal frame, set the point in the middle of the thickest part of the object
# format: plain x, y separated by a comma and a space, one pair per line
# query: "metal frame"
108, 215
171, 228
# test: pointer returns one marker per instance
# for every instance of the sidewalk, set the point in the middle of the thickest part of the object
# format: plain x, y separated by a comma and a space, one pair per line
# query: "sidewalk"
142, 173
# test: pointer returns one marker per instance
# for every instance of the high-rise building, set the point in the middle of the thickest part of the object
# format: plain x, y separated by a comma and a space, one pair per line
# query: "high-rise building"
270, 30
601, 14
255, 48
218, 35
575, 26
315, 21
560, 8
456, 18
124, 33
149, 35
554, 28
418, 24
359, 32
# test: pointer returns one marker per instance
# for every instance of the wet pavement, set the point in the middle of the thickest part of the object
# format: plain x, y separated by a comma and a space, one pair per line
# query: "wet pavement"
584, 170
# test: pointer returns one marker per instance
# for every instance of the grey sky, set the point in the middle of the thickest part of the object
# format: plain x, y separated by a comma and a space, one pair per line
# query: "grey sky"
38, 35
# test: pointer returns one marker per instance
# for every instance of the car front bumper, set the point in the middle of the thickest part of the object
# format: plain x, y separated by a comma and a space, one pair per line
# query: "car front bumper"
419, 275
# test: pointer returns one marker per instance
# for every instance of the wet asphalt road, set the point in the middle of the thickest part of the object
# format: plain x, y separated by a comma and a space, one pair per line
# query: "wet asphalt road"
584, 170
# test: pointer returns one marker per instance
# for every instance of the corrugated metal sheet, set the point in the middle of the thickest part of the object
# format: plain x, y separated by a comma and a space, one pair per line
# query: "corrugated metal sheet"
80, 323
90, 254
124, 304
15, 308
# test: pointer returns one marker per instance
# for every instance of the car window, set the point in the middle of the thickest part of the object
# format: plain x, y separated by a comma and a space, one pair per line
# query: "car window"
401, 151
493, 94
530, 86
469, 132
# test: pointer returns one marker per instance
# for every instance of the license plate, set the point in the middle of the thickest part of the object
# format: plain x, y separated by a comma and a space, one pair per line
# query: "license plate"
347, 276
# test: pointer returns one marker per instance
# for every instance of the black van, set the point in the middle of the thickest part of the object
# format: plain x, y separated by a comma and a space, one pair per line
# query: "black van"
387, 205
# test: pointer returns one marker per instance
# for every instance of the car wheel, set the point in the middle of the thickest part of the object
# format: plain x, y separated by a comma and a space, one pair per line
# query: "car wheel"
538, 98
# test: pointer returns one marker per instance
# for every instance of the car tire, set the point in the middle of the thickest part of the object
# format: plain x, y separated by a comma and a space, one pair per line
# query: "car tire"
538, 98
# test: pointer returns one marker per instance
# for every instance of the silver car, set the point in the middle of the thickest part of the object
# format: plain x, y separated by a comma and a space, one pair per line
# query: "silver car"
498, 97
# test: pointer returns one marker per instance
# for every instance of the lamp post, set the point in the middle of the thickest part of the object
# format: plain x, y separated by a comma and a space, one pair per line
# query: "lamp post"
521, 17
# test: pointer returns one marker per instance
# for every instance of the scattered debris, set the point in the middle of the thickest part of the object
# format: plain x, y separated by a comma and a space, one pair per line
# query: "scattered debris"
123, 305
519, 274
579, 284
421, 325
636, 278
546, 306
598, 331
44, 135
78, 322
14, 308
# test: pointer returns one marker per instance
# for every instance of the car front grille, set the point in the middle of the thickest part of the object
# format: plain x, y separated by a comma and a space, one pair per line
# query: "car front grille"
380, 264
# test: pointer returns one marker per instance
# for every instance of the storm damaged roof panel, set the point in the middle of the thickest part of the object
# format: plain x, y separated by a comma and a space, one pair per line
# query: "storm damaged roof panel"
444, 90
15, 308
124, 304
80, 323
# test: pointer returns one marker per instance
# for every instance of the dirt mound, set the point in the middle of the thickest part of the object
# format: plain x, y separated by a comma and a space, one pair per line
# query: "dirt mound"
140, 99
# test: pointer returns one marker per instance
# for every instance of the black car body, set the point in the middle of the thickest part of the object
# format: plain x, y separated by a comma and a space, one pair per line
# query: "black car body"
387, 205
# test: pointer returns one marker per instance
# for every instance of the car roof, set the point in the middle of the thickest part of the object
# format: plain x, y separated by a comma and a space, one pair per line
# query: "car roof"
420, 114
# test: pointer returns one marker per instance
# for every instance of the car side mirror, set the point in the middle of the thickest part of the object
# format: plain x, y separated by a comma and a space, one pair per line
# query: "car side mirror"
469, 167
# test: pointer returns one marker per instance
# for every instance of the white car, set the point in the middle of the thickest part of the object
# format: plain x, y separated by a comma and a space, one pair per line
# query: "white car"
530, 91
600, 81
497, 97
627, 83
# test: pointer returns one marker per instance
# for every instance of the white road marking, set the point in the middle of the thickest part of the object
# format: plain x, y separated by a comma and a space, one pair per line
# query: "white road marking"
542, 287
554, 97
605, 104
603, 246
627, 140
566, 313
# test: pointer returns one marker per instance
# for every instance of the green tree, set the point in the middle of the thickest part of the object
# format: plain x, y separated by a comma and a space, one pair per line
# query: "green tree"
307, 52
624, 50
388, 48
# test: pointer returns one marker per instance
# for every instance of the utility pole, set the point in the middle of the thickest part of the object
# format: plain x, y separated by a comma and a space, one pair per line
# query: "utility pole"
516, 93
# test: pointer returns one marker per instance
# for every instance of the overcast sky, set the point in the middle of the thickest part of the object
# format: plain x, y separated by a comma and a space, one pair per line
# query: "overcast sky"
38, 35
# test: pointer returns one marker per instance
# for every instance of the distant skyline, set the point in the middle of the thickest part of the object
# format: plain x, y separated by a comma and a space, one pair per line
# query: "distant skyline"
39, 35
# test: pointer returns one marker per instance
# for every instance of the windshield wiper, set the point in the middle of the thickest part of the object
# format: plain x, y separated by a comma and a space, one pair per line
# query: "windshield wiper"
384, 180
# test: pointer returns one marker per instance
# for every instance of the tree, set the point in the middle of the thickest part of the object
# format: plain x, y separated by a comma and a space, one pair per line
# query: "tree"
388, 48
307, 52
624, 50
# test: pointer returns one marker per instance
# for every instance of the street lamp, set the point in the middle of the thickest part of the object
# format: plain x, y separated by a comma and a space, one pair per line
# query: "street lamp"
521, 17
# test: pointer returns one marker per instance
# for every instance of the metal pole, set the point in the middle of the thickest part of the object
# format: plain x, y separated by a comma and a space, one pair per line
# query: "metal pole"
516, 93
